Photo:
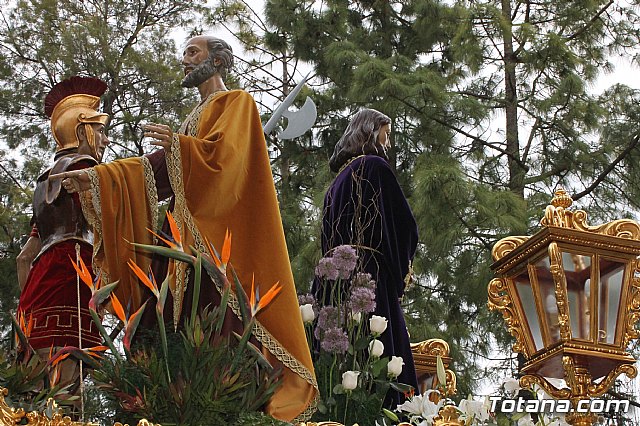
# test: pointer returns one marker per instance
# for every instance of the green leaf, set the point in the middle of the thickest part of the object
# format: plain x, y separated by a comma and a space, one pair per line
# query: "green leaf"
442, 375
168, 252
391, 415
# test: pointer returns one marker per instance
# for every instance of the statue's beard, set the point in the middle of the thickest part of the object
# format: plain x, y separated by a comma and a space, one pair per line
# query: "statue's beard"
200, 73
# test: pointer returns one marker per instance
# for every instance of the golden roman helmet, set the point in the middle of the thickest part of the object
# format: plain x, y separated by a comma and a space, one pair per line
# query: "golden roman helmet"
71, 103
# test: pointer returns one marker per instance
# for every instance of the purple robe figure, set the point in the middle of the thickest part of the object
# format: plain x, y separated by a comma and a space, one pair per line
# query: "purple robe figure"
365, 207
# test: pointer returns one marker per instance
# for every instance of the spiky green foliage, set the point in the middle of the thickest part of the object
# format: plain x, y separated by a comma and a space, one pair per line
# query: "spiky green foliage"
205, 374
492, 107
26, 377
204, 388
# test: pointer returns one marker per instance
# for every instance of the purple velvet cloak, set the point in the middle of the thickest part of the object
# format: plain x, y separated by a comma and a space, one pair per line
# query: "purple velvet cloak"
366, 208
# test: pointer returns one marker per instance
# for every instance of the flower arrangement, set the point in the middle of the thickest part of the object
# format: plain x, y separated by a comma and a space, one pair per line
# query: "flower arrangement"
202, 375
195, 375
342, 333
427, 410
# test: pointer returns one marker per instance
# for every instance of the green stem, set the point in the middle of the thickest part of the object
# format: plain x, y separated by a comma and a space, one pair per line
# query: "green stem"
330, 389
105, 335
196, 288
346, 408
163, 338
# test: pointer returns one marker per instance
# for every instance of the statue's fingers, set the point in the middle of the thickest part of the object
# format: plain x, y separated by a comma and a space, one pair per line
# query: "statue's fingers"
58, 176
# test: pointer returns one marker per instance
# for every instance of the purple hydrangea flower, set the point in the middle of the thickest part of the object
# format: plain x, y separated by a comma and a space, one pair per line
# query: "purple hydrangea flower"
335, 340
303, 299
328, 318
363, 279
327, 269
362, 299
344, 259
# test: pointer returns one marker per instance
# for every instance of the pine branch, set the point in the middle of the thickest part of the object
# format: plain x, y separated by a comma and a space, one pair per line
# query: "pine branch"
608, 169
590, 23
12, 177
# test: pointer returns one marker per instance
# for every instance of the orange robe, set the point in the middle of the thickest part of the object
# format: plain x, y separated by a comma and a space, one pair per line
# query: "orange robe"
221, 178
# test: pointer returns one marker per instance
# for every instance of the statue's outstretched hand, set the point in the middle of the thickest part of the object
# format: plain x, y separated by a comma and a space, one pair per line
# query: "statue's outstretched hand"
162, 134
73, 181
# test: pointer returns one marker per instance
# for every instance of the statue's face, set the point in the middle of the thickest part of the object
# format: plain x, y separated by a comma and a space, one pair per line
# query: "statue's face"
383, 136
101, 142
198, 67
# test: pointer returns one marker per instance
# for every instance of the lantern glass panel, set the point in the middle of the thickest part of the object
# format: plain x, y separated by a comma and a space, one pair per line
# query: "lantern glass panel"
547, 290
611, 278
525, 294
577, 269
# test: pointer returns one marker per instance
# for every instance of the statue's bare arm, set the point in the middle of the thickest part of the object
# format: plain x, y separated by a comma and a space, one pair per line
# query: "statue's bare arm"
27, 254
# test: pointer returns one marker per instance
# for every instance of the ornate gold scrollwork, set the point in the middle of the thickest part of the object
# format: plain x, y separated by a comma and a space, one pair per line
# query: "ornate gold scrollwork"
320, 424
526, 382
557, 214
500, 300
579, 381
621, 228
452, 383
448, 416
432, 347
555, 259
506, 246
633, 305
10, 416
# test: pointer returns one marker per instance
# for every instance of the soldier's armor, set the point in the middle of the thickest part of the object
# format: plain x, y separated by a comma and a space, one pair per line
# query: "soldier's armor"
57, 217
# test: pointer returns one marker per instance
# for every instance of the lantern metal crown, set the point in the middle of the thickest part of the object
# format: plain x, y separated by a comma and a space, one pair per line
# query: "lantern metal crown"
570, 295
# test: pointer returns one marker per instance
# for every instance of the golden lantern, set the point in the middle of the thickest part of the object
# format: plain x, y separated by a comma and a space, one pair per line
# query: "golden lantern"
570, 295
425, 357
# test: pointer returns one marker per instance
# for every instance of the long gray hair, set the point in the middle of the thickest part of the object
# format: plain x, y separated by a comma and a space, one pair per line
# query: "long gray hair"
360, 137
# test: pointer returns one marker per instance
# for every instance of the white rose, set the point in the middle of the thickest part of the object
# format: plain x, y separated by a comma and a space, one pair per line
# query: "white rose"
511, 386
525, 421
376, 348
394, 367
307, 313
357, 317
377, 324
350, 380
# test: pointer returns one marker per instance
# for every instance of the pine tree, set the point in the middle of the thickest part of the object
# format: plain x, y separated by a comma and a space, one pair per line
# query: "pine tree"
492, 110
125, 43
269, 71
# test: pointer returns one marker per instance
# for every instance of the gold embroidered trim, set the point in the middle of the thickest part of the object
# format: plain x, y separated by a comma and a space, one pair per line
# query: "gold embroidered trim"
183, 216
174, 170
311, 409
190, 124
152, 193
351, 160
91, 208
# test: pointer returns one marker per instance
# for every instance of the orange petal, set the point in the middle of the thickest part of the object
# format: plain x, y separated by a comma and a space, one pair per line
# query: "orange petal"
150, 283
252, 297
100, 348
55, 376
29, 326
167, 242
175, 232
21, 322
117, 308
83, 272
60, 358
212, 252
271, 294
226, 247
